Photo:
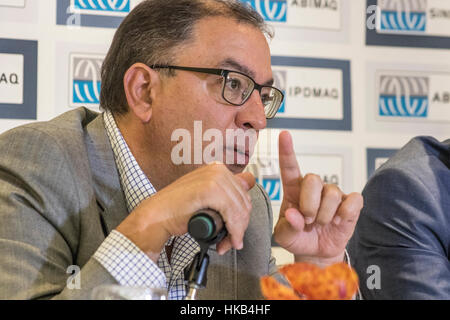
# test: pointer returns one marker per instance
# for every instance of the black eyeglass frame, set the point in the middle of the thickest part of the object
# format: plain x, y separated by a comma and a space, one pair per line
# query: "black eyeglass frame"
224, 73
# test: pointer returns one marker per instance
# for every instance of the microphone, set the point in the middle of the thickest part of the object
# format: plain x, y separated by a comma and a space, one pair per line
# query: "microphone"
207, 227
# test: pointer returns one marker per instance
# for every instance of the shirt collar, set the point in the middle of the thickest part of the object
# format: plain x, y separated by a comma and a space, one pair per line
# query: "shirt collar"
135, 184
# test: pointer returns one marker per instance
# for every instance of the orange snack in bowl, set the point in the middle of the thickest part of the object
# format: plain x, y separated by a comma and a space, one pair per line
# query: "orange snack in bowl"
300, 275
336, 282
273, 290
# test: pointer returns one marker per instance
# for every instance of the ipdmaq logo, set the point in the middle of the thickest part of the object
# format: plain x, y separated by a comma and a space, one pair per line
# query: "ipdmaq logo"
270, 10
399, 16
99, 6
403, 96
280, 82
85, 79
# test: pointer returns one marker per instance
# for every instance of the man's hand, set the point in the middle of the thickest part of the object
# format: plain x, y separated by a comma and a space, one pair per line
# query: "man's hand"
168, 212
316, 219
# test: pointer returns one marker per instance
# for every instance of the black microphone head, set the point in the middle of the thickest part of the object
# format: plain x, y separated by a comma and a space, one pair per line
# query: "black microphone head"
201, 227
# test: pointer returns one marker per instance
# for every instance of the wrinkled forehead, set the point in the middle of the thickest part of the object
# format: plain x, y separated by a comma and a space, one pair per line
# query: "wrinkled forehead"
219, 42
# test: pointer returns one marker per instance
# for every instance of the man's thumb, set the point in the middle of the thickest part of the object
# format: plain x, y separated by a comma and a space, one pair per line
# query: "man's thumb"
246, 179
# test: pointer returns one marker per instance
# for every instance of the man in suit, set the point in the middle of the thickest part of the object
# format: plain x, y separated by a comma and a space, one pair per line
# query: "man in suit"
401, 246
104, 193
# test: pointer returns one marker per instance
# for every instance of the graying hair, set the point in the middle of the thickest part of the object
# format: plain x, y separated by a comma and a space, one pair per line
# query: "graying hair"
151, 32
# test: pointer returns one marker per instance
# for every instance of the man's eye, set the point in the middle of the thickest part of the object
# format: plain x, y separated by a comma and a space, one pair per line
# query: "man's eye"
234, 84
266, 98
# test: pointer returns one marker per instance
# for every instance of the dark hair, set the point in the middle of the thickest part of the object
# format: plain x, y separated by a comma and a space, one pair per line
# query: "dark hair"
151, 32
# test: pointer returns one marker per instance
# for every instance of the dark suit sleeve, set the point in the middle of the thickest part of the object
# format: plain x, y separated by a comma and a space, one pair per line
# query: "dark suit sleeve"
403, 233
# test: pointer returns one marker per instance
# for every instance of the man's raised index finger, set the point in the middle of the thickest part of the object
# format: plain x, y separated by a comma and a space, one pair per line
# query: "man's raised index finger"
289, 168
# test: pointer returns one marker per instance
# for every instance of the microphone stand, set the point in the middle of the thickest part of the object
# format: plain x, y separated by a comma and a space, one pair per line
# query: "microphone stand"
207, 228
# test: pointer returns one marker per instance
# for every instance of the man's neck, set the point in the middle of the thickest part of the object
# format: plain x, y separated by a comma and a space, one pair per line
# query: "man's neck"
141, 146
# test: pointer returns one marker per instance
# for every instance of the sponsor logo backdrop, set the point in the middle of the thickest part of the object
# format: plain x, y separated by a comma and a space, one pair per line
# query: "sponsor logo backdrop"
361, 77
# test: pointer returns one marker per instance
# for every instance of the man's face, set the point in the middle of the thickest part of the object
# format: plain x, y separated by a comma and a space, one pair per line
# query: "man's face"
190, 96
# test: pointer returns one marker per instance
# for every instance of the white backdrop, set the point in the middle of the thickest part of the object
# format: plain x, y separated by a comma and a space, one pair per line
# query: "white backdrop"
357, 87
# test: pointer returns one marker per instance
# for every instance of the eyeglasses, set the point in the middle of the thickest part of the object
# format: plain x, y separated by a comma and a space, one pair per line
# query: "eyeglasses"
238, 87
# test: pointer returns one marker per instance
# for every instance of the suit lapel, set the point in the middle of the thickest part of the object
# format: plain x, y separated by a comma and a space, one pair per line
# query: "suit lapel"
107, 187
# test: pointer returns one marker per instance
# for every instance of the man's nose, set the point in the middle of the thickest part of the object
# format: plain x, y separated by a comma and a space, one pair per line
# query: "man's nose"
251, 114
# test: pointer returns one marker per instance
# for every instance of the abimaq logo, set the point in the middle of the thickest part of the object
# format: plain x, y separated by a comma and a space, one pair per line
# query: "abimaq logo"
403, 96
119, 7
85, 79
93, 13
423, 96
270, 10
319, 14
403, 16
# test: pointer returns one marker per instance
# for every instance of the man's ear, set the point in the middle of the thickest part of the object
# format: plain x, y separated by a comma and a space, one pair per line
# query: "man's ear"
140, 83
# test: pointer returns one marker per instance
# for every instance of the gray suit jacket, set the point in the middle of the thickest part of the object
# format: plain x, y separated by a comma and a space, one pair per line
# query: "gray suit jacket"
60, 196
401, 245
